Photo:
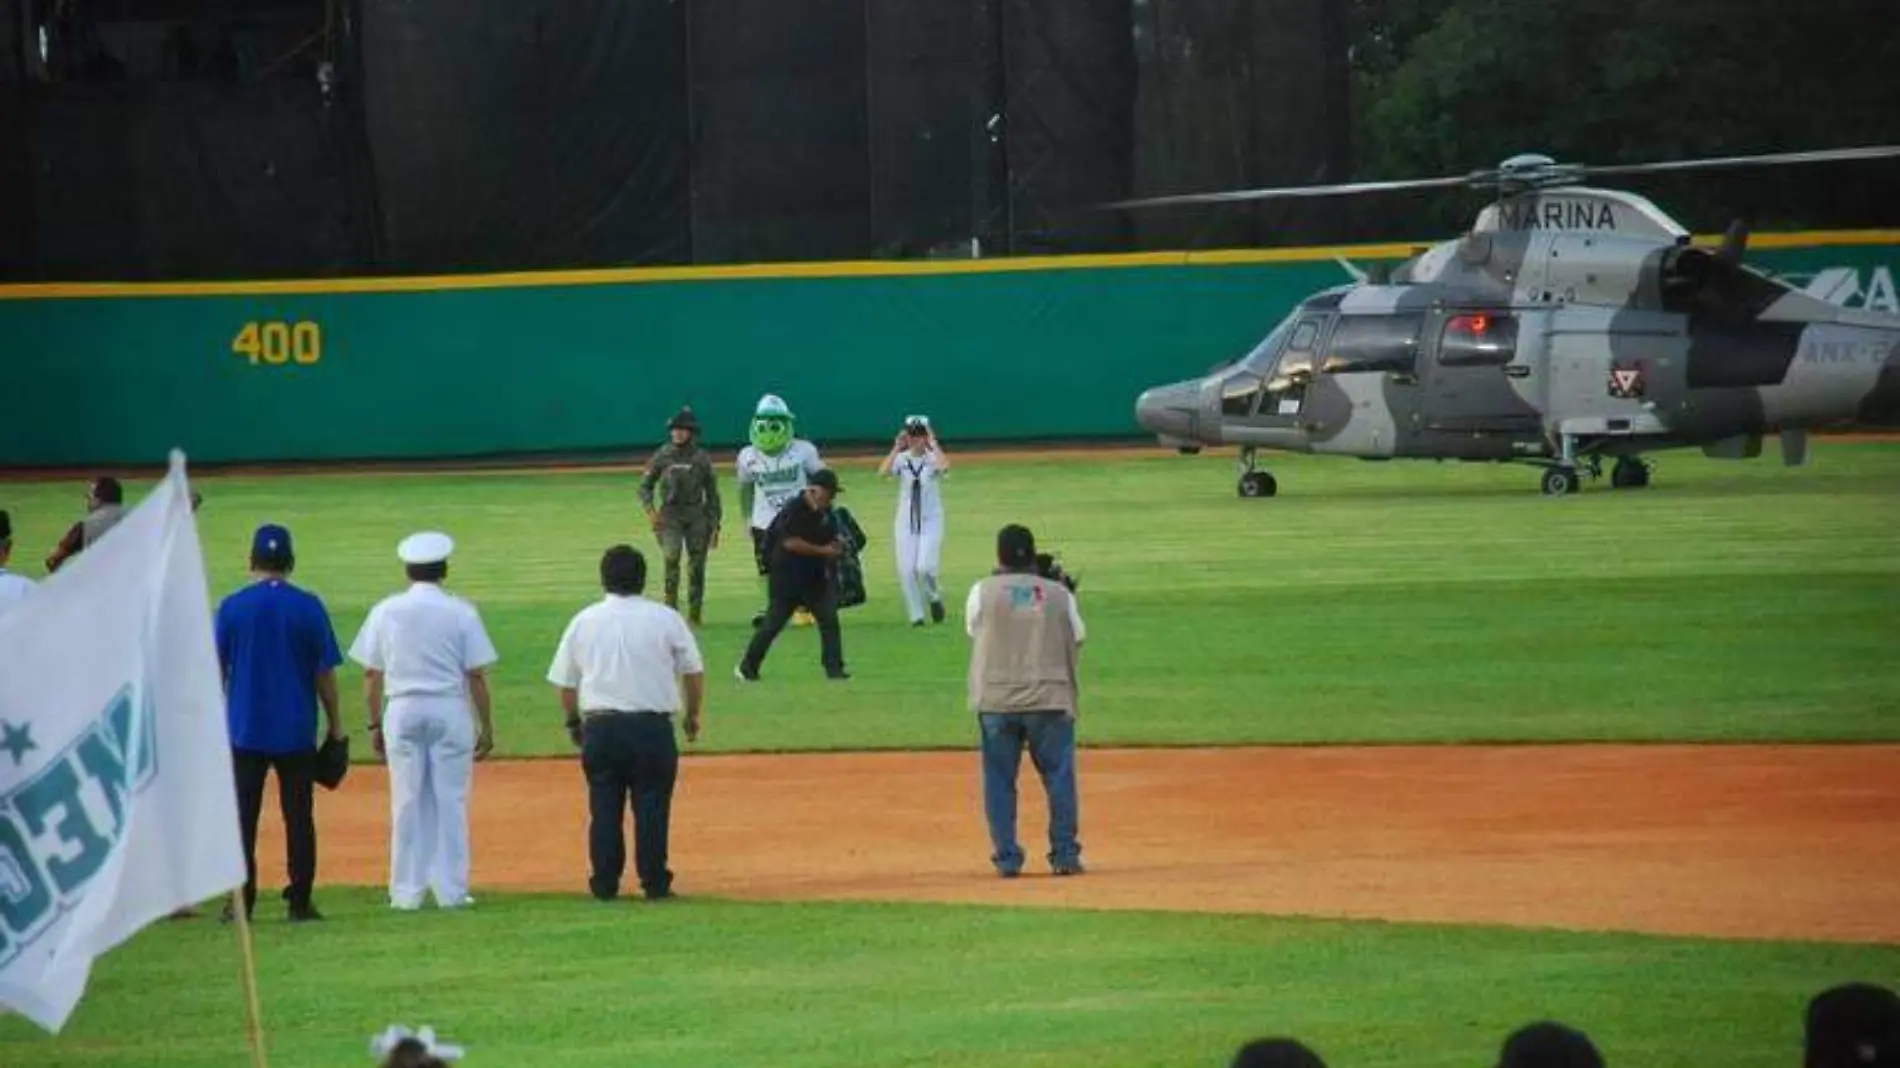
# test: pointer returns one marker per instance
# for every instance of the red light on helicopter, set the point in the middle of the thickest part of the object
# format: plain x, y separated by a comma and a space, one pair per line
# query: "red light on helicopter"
1476, 324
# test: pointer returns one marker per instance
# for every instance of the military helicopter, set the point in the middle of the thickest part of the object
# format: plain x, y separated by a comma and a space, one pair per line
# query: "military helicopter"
1570, 325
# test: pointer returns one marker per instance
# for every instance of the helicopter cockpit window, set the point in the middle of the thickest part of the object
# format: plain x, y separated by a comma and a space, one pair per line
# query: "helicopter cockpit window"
1374, 344
1304, 336
1238, 394
1478, 339
1260, 360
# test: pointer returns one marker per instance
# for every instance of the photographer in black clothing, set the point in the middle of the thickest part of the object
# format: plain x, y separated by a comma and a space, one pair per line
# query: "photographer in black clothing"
804, 547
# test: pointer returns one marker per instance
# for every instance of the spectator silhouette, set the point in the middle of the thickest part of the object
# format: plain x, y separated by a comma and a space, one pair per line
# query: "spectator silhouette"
1854, 1025
1548, 1045
1276, 1053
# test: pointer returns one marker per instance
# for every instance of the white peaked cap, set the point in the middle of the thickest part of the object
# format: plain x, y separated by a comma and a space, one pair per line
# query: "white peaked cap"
428, 547
770, 404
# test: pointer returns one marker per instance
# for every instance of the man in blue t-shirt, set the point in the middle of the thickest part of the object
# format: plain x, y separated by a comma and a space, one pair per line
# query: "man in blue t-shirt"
279, 654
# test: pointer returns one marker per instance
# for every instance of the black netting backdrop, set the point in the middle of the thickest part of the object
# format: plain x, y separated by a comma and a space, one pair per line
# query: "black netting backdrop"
526, 133
179, 138
178, 181
781, 146
1069, 70
1239, 94
928, 103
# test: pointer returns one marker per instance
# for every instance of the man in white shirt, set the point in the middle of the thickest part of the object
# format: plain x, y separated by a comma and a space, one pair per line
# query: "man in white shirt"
425, 653
620, 667
13, 588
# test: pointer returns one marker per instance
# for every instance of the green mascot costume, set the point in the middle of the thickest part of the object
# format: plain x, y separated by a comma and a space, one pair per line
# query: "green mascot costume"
771, 471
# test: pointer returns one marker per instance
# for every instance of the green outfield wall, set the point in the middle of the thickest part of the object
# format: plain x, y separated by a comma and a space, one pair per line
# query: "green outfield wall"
580, 361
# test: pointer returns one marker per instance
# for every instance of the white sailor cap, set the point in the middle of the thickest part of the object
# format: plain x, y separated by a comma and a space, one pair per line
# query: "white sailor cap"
429, 547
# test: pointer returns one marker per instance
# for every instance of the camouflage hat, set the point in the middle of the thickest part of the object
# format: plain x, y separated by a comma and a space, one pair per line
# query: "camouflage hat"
684, 419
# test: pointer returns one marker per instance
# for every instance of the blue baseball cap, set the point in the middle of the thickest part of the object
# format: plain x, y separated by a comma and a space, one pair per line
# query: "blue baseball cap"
271, 540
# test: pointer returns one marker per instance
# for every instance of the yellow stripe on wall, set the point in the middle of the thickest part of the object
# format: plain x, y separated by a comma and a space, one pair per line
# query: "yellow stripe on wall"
837, 269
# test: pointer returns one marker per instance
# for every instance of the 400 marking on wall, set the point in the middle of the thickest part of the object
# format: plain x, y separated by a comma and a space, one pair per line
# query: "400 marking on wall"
278, 343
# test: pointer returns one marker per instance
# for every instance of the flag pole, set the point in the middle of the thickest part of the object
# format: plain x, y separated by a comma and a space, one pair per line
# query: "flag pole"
254, 1010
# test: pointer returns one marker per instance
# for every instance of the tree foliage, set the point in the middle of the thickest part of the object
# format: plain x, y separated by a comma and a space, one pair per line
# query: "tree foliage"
1446, 86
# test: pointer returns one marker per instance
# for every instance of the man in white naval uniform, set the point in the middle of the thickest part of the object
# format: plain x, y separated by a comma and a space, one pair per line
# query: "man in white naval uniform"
918, 462
425, 652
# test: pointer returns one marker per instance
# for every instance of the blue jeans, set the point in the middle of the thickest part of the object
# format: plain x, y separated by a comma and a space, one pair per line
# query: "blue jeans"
1050, 737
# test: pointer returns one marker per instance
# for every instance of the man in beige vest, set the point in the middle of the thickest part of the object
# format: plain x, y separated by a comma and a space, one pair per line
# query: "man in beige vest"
105, 506
1027, 633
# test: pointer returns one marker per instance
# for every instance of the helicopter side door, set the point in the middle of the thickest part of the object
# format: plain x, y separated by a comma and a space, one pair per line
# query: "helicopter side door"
1284, 394
1262, 400
1470, 407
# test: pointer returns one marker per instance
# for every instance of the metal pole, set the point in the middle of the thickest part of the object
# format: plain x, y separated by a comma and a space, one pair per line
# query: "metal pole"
1000, 178
870, 128
692, 144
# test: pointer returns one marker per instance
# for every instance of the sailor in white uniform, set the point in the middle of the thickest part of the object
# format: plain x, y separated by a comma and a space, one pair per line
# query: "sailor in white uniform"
425, 652
918, 463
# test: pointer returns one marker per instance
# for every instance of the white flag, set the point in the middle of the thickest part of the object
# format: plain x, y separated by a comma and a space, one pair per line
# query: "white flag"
117, 804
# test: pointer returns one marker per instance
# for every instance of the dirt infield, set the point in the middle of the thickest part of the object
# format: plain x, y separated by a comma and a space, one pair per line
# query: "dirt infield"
1727, 841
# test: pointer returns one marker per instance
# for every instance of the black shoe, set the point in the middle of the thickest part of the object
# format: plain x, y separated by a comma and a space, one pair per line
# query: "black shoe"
936, 611
916, 622
758, 621
838, 676
304, 912
743, 675
661, 895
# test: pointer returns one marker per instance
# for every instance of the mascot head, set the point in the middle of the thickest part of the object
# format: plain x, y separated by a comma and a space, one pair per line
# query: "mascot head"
771, 428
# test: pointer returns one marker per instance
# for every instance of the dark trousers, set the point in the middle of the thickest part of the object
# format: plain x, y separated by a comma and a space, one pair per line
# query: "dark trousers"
296, 787
629, 756
822, 602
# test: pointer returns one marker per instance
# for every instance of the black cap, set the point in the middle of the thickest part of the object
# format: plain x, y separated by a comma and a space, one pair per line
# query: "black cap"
6, 525
1549, 1045
1015, 546
684, 419
1855, 1024
107, 490
827, 478
1276, 1053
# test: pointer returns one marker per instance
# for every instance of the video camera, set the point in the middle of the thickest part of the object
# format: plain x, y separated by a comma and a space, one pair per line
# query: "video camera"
1049, 567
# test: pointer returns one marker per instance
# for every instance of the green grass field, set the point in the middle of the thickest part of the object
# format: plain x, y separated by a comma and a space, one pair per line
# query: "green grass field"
1384, 603
545, 982
1379, 603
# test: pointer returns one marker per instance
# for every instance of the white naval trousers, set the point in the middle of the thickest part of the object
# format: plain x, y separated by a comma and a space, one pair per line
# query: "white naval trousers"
918, 555
430, 742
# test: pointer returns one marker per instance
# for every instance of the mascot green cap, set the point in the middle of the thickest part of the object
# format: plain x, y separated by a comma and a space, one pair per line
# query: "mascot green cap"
771, 426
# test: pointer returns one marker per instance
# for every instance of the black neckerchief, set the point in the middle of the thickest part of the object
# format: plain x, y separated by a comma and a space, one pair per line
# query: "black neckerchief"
916, 493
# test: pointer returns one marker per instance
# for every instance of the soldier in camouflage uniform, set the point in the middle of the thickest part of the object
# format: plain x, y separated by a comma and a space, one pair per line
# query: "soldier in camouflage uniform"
688, 515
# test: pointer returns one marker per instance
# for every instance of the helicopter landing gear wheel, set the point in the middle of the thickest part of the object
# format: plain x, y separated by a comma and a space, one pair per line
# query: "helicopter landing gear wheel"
1629, 473
1254, 482
1258, 484
1561, 481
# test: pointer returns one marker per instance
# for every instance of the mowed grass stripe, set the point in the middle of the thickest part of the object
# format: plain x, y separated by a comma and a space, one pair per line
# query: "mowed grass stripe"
1372, 602
539, 980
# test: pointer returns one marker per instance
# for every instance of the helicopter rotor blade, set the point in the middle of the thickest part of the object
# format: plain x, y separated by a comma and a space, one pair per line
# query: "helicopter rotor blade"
1237, 195
1771, 159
